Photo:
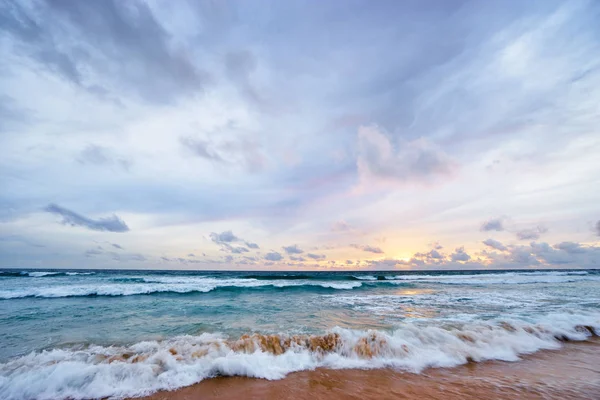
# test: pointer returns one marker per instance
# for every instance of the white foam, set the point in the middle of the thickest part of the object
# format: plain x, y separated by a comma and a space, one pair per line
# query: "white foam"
159, 285
366, 277
39, 274
182, 361
506, 278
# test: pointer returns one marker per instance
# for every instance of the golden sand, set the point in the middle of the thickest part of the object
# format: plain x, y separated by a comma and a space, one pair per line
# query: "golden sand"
570, 373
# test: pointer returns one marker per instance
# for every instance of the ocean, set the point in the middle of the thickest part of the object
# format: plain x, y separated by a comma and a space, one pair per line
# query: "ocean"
103, 333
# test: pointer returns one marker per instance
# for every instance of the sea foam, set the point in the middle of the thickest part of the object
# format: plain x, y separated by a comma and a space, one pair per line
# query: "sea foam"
145, 367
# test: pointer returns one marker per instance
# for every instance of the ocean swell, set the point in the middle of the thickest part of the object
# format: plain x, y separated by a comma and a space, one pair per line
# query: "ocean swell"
148, 286
145, 367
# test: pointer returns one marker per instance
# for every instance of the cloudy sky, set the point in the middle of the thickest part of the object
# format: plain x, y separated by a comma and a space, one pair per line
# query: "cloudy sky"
299, 135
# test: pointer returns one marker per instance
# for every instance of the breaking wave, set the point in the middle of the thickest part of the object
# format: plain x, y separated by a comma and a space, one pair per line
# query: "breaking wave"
142, 368
41, 274
182, 285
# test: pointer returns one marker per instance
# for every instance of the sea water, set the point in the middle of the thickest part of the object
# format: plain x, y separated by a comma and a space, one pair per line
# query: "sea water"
95, 334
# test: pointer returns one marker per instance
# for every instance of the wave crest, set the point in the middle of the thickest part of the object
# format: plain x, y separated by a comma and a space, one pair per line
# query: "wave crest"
145, 367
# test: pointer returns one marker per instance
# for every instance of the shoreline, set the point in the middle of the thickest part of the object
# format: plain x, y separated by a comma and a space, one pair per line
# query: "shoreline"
572, 372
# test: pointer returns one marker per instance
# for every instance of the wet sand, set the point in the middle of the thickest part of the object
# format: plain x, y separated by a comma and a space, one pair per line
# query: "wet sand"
570, 373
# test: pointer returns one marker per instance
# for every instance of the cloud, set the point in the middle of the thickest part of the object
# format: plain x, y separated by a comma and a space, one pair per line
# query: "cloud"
495, 244
93, 252
341, 226
241, 151
109, 224
12, 115
433, 254
531, 234
571, 247
417, 160
367, 248
316, 256
494, 224
114, 256
570, 254
118, 45
293, 249
238, 250
101, 156
116, 246
598, 228
224, 237
294, 258
202, 148
273, 256
460, 255
239, 66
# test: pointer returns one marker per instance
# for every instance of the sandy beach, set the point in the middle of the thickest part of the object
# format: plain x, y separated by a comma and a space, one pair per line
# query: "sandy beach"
570, 373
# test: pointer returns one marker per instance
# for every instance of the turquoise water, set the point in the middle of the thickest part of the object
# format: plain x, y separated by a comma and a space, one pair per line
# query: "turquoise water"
61, 325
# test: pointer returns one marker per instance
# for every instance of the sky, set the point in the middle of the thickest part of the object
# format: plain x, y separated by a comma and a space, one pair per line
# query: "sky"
297, 135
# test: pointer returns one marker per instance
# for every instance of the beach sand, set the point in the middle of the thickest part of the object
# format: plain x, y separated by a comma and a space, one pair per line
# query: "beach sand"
570, 373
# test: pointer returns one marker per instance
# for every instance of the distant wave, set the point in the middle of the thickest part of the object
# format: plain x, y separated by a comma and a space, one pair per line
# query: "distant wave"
41, 274
149, 366
124, 285
186, 286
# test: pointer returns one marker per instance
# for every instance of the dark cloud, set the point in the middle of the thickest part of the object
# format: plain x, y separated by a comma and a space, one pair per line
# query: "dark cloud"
367, 248
273, 256
571, 247
300, 259
251, 245
460, 255
494, 224
567, 253
118, 45
495, 244
316, 256
598, 228
522, 255
116, 246
101, 156
416, 160
110, 224
293, 249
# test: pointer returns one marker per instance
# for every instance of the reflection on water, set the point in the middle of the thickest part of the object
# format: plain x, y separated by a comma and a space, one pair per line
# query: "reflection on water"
414, 292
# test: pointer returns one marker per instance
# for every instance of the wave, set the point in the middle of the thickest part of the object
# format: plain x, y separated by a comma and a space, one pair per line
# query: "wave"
149, 366
148, 284
181, 285
41, 274
505, 278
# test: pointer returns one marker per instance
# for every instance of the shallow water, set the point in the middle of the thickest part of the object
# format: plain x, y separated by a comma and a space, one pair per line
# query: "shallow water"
81, 334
